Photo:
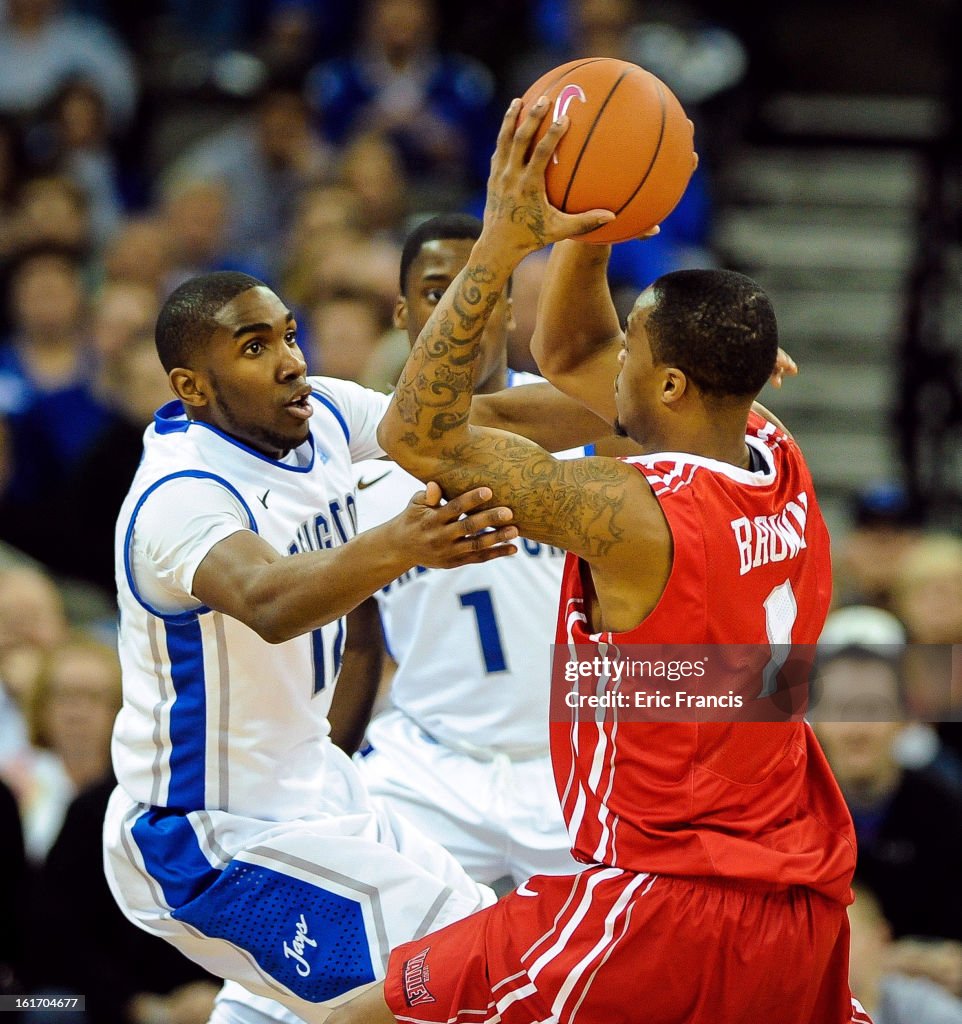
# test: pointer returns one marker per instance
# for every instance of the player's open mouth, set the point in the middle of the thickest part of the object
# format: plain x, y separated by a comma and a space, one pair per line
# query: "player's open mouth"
301, 408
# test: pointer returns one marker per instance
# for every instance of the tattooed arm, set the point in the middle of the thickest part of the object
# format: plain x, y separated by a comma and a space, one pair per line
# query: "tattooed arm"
589, 506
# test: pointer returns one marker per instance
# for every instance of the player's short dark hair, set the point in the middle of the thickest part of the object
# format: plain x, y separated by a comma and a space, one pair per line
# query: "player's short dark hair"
443, 226
186, 319
717, 326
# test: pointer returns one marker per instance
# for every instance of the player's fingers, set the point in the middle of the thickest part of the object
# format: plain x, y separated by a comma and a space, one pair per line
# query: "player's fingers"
785, 363
574, 224
547, 145
466, 502
785, 366
506, 131
527, 127
430, 497
484, 520
487, 554
488, 539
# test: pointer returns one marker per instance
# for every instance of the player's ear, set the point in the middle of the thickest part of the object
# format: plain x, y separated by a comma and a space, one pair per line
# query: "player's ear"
188, 387
400, 317
674, 385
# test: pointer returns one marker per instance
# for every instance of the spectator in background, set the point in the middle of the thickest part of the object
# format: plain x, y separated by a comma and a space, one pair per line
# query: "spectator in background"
867, 560
341, 257
889, 996
136, 386
928, 590
372, 169
918, 744
71, 713
195, 215
345, 330
435, 107
324, 215
75, 142
263, 162
928, 596
47, 377
122, 310
32, 623
142, 252
41, 46
127, 976
908, 822
33, 620
52, 211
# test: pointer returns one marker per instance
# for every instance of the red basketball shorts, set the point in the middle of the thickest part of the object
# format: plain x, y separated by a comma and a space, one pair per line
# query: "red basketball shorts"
613, 947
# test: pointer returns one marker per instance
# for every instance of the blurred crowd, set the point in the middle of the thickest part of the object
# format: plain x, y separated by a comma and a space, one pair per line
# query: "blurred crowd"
299, 141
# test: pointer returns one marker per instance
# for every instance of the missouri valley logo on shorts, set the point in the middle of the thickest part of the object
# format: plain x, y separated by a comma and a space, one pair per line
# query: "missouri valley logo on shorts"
416, 976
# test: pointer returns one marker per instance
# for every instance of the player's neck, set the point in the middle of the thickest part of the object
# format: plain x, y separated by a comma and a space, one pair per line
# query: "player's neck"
707, 443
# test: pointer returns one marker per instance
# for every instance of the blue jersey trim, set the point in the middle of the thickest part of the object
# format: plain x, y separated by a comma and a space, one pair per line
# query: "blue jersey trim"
165, 424
172, 855
188, 716
164, 421
257, 908
589, 449
335, 412
197, 474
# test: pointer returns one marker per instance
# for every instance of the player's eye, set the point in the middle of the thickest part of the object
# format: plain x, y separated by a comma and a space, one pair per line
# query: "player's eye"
291, 337
434, 295
254, 348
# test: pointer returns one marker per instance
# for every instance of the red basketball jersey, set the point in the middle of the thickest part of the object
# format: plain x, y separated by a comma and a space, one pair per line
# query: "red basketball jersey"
750, 800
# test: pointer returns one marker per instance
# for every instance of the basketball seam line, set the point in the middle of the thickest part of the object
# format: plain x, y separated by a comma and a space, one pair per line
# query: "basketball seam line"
577, 67
591, 131
654, 156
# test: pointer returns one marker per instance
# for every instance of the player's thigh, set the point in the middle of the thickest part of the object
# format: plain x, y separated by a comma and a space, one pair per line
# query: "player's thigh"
448, 796
304, 913
539, 840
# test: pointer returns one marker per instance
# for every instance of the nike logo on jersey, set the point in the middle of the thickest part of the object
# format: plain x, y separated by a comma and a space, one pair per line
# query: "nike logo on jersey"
262, 498
362, 484
523, 890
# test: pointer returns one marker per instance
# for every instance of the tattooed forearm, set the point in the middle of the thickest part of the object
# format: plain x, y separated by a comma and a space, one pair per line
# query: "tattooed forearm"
578, 503
439, 375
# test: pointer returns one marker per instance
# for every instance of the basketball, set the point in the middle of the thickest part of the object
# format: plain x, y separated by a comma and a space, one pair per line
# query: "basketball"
628, 147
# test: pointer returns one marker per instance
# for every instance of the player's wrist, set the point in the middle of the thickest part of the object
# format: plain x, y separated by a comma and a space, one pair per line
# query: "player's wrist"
497, 255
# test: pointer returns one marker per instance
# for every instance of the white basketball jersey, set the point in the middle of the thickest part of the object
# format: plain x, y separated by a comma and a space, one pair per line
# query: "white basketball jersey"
473, 643
213, 716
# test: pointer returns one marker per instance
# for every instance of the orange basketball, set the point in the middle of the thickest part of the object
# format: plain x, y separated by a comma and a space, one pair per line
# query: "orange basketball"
628, 148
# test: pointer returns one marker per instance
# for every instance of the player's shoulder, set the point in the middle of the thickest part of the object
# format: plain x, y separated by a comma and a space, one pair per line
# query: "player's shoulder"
345, 394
